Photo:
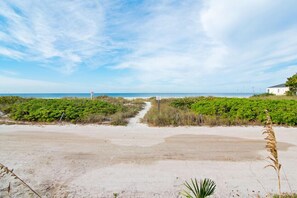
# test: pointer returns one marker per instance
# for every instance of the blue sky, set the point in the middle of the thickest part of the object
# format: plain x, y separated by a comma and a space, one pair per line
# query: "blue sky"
146, 46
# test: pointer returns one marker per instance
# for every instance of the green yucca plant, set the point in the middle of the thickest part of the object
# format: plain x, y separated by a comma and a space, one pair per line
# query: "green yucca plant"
204, 188
271, 146
5, 171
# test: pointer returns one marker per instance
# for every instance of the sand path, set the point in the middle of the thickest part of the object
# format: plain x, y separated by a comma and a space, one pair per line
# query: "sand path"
97, 161
136, 121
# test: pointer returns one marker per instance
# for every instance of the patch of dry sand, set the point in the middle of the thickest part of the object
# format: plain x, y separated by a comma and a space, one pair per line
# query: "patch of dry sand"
95, 161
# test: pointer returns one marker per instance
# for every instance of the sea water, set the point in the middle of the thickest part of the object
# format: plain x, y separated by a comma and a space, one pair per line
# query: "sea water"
126, 95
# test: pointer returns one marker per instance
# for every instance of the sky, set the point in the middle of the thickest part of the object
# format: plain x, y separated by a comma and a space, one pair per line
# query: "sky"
197, 46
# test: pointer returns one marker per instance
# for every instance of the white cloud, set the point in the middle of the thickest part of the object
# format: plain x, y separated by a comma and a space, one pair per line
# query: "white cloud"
259, 36
167, 45
62, 33
204, 44
10, 53
196, 46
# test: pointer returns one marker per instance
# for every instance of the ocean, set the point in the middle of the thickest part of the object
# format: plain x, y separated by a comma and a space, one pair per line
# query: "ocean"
126, 95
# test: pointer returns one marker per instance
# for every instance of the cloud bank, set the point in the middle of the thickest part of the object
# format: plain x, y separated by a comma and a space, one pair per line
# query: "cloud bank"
61, 34
190, 46
213, 43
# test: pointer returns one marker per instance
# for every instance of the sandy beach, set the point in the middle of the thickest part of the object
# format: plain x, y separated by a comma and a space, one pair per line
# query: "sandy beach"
148, 99
140, 161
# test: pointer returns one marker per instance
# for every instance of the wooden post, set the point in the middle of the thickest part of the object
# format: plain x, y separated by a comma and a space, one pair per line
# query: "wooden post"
92, 93
61, 117
159, 106
158, 98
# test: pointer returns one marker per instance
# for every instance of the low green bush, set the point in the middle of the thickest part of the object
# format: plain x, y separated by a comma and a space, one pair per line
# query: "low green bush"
263, 95
99, 110
49, 110
282, 112
213, 111
7, 101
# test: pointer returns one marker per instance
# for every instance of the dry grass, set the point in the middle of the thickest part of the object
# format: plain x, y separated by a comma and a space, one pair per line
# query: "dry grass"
286, 195
271, 146
274, 97
172, 116
5, 171
130, 109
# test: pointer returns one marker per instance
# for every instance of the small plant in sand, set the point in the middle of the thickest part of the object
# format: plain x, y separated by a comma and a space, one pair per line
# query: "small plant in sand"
271, 146
204, 188
286, 195
5, 171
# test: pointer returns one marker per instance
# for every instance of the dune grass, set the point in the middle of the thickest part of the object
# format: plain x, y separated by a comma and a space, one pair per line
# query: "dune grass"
286, 195
271, 147
274, 97
6, 171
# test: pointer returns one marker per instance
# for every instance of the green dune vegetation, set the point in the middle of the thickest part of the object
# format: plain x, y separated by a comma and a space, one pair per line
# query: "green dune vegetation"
214, 111
100, 110
274, 97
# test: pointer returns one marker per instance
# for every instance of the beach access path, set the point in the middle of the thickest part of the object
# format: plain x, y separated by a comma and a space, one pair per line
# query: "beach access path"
136, 121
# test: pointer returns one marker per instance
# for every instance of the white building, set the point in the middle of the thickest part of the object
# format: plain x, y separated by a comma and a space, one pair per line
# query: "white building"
280, 89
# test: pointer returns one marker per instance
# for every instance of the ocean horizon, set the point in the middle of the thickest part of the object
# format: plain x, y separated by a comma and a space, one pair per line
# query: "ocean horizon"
126, 95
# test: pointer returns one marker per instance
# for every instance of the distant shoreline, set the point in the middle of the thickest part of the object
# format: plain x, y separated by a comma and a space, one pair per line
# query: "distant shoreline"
126, 95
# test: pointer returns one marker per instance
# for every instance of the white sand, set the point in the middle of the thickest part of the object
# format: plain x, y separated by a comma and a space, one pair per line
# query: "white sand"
97, 161
136, 121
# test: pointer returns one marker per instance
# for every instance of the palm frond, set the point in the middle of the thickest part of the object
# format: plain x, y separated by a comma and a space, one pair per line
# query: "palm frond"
202, 189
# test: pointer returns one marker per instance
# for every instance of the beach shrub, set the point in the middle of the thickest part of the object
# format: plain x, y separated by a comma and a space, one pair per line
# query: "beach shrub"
214, 111
6, 102
184, 103
49, 110
263, 95
282, 112
98, 110
118, 119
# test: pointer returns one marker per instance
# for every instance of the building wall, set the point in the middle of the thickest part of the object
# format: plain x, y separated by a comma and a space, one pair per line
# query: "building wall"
278, 90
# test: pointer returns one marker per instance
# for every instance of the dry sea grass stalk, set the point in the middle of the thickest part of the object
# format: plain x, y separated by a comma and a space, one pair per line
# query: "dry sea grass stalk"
271, 147
5, 170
